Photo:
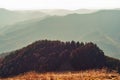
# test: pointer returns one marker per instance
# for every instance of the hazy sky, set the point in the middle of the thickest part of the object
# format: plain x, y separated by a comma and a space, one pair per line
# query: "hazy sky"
59, 4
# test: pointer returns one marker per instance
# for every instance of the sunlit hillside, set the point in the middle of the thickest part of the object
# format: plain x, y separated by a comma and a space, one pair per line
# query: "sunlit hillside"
82, 75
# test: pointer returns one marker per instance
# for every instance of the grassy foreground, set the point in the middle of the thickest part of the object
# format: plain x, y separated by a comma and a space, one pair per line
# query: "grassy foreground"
82, 75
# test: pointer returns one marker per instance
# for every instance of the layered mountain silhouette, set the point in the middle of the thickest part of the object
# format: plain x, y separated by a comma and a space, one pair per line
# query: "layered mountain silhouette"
101, 27
8, 17
47, 56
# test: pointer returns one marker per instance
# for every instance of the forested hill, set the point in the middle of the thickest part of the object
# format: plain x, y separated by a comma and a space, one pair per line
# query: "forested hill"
47, 56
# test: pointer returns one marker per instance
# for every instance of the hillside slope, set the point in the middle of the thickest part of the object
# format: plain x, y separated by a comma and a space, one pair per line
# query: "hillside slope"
49, 56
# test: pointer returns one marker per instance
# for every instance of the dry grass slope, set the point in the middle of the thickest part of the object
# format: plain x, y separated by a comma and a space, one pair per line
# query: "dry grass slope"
82, 75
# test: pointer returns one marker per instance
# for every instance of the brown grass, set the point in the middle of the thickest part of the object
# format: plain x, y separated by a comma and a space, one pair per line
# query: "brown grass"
82, 75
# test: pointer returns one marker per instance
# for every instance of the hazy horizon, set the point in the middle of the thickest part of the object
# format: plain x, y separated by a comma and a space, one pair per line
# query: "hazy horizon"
61, 4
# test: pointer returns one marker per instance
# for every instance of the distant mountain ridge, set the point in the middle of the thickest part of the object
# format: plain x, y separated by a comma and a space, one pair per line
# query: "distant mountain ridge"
23, 15
8, 17
101, 27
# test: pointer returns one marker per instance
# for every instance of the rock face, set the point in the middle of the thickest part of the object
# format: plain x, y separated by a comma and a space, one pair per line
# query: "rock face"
46, 56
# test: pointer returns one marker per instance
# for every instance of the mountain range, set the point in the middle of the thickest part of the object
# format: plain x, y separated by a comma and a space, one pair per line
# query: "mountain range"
20, 28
